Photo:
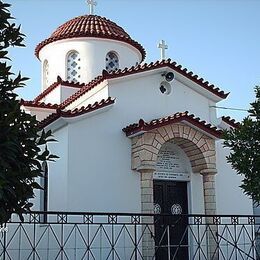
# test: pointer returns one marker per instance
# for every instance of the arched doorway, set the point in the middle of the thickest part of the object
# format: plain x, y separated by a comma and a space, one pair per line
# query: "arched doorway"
171, 197
197, 140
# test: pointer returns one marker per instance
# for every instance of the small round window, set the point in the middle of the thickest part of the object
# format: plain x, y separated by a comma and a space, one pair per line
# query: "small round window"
165, 88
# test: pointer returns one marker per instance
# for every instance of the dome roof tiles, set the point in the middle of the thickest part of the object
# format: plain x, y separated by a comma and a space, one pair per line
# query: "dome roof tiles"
90, 26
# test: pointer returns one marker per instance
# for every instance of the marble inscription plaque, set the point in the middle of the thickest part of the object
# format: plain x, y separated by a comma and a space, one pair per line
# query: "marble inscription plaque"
170, 165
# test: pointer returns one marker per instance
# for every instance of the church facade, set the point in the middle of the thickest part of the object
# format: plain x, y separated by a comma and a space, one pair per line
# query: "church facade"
132, 137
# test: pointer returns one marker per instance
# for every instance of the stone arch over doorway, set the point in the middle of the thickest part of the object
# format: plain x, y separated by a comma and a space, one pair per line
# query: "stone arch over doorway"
195, 138
199, 148
197, 145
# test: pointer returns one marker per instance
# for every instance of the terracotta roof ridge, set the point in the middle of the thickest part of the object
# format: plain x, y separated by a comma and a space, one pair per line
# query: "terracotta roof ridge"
141, 68
39, 104
230, 121
205, 84
88, 108
85, 88
56, 84
77, 111
175, 118
172, 64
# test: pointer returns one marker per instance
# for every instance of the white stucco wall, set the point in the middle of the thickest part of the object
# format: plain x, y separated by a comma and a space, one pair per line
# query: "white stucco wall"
92, 54
100, 176
54, 97
58, 172
230, 198
141, 98
66, 92
59, 94
96, 94
97, 153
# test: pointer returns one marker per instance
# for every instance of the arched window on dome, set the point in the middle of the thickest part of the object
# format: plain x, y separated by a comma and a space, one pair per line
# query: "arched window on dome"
73, 66
45, 74
112, 61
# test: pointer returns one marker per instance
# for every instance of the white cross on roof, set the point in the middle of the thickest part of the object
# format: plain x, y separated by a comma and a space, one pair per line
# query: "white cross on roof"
162, 45
91, 4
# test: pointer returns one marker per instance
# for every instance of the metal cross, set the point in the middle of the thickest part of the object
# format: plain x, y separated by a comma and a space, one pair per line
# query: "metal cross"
91, 4
162, 45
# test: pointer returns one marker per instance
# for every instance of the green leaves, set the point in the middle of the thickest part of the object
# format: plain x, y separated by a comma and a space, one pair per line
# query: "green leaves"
23, 145
244, 143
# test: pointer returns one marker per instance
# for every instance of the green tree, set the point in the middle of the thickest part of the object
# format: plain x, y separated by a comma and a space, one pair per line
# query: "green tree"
22, 143
244, 143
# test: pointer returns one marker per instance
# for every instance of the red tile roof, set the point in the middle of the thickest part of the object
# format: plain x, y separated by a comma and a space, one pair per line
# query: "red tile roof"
76, 112
39, 104
56, 84
90, 26
176, 118
231, 122
142, 68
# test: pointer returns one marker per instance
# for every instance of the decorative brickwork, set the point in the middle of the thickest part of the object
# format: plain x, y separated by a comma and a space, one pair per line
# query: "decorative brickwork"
199, 148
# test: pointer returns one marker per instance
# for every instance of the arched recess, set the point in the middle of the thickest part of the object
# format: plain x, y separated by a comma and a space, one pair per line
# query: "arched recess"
200, 150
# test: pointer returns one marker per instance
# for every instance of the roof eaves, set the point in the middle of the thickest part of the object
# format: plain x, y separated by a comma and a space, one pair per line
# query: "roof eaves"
46, 91
228, 120
39, 104
200, 81
175, 67
143, 126
59, 82
134, 43
76, 112
142, 68
82, 91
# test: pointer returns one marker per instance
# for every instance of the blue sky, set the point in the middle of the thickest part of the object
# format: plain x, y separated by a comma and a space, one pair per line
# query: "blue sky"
217, 39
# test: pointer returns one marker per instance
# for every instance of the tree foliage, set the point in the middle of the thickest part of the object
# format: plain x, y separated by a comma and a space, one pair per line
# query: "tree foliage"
244, 143
22, 143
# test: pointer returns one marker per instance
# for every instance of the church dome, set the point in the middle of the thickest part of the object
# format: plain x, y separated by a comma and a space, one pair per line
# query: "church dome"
90, 26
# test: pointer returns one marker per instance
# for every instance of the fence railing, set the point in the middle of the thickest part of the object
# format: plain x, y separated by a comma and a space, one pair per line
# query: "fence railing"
73, 235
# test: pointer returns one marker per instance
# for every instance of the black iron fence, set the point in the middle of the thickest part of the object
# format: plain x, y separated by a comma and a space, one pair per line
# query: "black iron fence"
72, 235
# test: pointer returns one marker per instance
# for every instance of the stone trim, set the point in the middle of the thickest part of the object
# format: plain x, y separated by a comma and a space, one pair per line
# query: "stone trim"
209, 191
148, 245
210, 209
199, 148
147, 191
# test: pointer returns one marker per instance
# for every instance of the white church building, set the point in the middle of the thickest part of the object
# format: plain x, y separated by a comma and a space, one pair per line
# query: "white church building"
132, 137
